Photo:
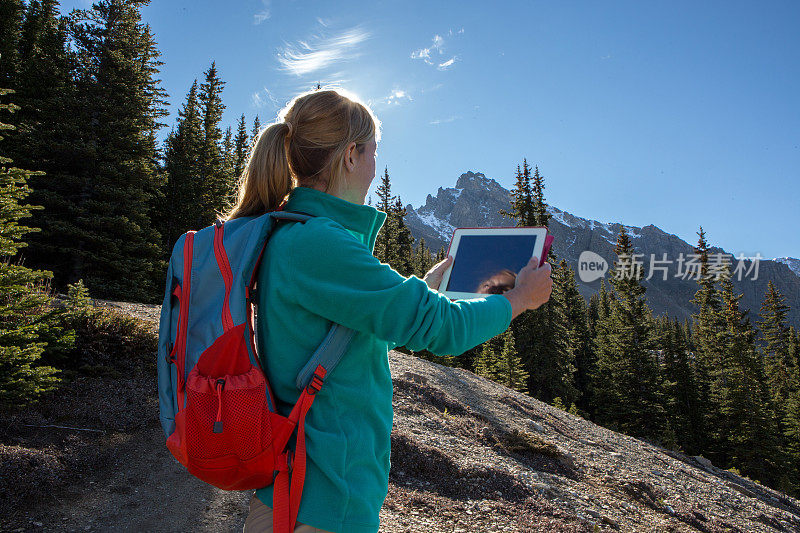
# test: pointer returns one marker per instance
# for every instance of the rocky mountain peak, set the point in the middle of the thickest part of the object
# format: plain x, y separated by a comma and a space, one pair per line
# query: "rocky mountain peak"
470, 179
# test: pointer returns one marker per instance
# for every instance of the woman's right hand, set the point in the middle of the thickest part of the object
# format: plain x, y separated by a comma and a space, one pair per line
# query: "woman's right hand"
531, 289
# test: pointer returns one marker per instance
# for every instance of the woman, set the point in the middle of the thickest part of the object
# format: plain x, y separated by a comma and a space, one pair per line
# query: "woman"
320, 160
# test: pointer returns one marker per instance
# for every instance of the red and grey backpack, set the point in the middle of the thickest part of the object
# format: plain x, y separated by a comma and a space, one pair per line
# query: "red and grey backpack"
216, 405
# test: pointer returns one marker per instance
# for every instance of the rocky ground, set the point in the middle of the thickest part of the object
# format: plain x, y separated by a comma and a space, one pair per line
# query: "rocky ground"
467, 455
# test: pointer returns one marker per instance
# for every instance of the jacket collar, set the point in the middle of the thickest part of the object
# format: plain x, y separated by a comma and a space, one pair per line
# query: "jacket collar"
364, 221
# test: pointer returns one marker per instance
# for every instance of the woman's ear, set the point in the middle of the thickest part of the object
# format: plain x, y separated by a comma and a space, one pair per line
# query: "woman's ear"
349, 159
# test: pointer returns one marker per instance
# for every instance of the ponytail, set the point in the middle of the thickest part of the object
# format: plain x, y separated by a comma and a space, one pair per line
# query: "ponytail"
267, 178
305, 147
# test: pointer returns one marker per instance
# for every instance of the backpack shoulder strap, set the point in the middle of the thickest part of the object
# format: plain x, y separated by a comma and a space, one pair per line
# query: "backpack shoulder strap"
297, 216
335, 343
328, 354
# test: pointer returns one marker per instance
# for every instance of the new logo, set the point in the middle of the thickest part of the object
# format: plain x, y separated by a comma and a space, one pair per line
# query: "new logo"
591, 266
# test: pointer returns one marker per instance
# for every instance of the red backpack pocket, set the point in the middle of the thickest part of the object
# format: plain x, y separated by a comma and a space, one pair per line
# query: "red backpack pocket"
226, 426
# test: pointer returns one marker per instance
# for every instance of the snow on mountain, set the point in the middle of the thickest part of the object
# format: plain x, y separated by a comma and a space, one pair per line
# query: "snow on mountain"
573, 221
792, 262
442, 227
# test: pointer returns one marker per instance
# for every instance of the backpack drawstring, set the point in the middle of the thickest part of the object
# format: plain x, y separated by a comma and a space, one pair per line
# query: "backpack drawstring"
218, 386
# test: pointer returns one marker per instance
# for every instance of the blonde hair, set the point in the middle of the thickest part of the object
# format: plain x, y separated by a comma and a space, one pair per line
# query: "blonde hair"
323, 123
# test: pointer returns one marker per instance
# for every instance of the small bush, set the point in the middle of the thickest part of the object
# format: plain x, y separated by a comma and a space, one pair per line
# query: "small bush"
107, 341
59, 339
526, 443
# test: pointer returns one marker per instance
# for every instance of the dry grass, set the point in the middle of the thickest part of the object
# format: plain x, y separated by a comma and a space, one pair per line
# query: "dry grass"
525, 443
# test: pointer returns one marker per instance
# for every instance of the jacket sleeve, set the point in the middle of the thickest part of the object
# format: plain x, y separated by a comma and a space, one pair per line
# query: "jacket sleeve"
337, 277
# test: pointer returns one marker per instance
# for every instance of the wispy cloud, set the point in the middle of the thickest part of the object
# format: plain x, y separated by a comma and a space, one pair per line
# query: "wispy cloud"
395, 98
444, 120
438, 43
447, 64
264, 14
423, 54
317, 53
437, 46
435, 87
263, 97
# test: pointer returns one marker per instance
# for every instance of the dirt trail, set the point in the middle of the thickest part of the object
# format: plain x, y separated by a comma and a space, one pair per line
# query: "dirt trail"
147, 490
135, 484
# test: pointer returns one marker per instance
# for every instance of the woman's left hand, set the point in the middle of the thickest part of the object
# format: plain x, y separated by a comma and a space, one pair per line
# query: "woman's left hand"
434, 276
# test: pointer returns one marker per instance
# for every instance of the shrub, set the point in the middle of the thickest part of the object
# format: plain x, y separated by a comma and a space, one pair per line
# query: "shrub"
526, 443
107, 342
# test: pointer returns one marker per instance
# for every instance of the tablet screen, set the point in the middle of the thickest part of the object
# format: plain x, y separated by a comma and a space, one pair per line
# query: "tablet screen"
488, 264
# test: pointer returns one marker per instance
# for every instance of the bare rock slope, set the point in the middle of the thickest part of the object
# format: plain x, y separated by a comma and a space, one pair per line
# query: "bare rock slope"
491, 459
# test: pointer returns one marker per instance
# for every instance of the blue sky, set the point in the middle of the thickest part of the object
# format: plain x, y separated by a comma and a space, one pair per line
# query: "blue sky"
677, 114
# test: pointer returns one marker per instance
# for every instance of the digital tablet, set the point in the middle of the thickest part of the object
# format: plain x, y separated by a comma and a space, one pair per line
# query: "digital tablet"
487, 260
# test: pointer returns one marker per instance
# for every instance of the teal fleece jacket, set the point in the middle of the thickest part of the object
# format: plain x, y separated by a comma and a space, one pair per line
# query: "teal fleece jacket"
323, 271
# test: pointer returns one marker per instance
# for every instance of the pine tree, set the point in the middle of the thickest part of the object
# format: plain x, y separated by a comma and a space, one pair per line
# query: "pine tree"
585, 401
385, 242
22, 302
707, 324
255, 131
792, 418
509, 369
49, 132
592, 311
539, 335
486, 362
795, 348
228, 161
184, 190
12, 14
423, 261
227, 151
240, 148
96, 224
686, 391
628, 382
749, 425
680, 389
404, 241
579, 361
776, 344
542, 217
521, 203
216, 182
599, 323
